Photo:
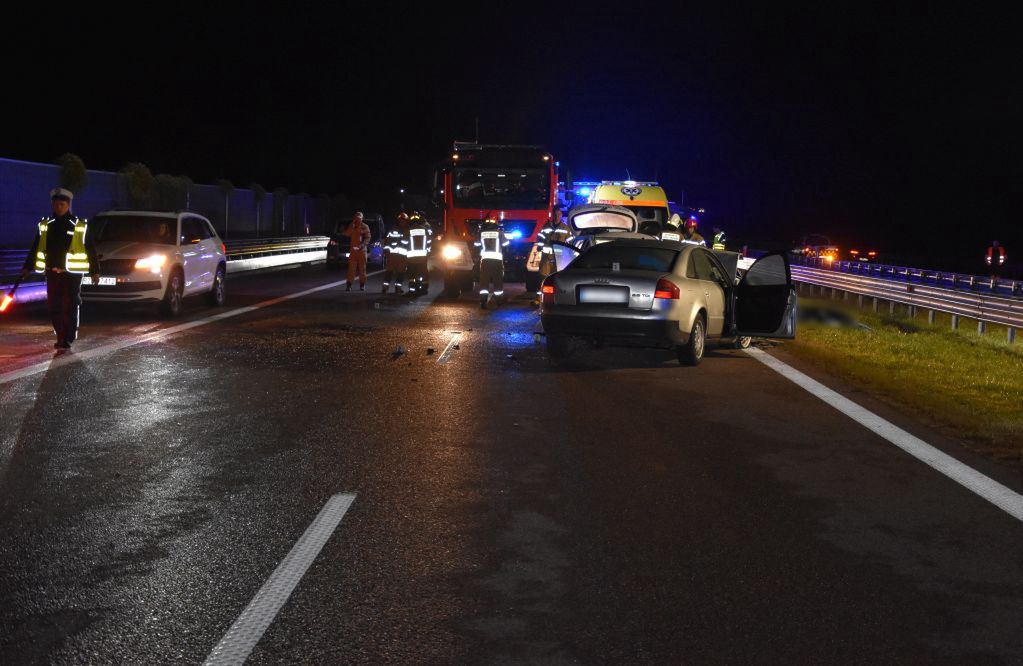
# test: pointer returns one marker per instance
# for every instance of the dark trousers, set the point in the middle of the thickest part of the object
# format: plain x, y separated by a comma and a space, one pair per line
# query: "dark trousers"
63, 296
418, 274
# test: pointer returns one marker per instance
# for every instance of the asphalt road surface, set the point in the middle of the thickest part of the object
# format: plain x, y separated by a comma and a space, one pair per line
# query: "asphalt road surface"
620, 509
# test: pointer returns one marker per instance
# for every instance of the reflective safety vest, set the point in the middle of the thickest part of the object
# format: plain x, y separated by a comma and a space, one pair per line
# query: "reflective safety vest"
396, 242
492, 243
719, 241
77, 259
419, 242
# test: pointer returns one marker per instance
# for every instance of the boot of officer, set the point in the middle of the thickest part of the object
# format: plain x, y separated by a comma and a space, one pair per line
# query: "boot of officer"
492, 243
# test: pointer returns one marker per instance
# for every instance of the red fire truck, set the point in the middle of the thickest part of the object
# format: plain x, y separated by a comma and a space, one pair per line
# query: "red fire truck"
517, 184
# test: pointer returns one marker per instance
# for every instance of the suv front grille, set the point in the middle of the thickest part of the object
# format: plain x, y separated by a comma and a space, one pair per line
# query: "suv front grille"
116, 266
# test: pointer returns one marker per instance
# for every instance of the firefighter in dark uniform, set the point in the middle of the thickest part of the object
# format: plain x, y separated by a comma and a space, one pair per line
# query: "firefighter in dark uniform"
64, 251
554, 230
492, 242
417, 257
672, 229
396, 247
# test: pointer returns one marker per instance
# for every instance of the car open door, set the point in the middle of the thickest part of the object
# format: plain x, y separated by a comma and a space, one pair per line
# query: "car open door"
765, 300
564, 254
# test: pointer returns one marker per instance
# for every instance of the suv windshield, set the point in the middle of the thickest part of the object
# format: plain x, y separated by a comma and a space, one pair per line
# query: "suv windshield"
136, 229
628, 257
508, 189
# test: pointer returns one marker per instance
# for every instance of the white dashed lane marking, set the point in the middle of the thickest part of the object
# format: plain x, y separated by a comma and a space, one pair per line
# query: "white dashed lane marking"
239, 641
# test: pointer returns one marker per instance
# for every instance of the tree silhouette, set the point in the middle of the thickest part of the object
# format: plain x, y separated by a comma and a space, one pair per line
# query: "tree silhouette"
73, 175
140, 184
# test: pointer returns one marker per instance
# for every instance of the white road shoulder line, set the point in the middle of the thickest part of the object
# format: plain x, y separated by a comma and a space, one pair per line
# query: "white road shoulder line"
74, 357
239, 641
1004, 498
444, 355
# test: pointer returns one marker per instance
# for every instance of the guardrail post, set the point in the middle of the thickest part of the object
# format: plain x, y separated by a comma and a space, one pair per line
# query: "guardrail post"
912, 312
981, 327
891, 307
955, 322
1015, 288
1012, 335
875, 304
931, 316
859, 301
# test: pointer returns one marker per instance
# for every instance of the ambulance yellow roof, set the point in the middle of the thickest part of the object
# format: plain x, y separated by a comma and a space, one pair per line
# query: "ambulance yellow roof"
629, 194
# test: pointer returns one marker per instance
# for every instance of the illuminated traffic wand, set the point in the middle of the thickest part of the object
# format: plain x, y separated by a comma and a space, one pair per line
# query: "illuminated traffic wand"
9, 296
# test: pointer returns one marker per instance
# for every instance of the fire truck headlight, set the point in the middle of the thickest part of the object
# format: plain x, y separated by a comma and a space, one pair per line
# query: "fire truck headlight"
451, 252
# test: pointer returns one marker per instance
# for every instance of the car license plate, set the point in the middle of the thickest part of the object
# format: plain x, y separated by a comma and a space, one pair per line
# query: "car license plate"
103, 281
604, 295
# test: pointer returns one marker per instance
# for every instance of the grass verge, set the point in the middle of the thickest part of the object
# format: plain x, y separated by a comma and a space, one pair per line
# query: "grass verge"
971, 383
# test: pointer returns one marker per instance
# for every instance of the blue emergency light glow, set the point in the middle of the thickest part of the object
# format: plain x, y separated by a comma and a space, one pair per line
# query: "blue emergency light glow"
584, 191
514, 234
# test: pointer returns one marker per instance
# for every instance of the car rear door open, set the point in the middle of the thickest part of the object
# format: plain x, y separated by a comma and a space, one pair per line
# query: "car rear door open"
765, 300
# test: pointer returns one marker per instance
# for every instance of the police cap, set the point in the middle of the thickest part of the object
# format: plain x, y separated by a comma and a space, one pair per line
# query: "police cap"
62, 194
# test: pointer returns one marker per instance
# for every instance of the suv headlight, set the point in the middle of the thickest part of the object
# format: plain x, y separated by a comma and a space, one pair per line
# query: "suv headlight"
451, 252
152, 263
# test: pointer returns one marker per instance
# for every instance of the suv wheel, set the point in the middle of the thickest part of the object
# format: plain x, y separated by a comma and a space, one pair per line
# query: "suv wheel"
170, 306
216, 295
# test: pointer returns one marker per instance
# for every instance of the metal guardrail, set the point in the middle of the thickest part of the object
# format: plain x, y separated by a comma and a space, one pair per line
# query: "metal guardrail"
957, 281
985, 308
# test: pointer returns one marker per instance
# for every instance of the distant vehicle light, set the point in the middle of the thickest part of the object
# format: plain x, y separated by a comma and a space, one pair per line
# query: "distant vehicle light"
546, 158
455, 156
854, 252
451, 252
152, 263
666, 289
872, 254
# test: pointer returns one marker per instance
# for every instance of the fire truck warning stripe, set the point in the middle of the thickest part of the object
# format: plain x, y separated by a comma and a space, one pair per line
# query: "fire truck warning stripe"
103, 350
239, 641
1004, 498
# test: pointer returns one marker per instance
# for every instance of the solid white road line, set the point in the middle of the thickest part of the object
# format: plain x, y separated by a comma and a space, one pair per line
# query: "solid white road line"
443, 358
1004, 498
74, 357
244, 634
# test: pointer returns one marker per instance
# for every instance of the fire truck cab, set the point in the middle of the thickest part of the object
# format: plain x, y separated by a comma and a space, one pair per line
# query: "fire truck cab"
515, 184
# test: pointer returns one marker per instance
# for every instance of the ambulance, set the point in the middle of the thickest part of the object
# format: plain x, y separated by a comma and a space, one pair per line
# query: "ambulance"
646, 199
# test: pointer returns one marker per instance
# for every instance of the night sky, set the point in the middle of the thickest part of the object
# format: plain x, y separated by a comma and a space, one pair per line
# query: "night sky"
875, 125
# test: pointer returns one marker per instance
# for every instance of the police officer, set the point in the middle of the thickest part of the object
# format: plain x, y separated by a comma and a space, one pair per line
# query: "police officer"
671, 231
719, 239
396, 248
420, 239
690, 234
64, 252
554, 230
492, 242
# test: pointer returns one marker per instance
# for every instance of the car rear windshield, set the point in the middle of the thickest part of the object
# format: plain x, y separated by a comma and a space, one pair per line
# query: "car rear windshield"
136, 229
627, 257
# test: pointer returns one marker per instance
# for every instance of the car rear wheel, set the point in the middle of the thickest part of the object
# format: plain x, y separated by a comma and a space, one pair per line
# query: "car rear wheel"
170, 306
216, 295
691, 353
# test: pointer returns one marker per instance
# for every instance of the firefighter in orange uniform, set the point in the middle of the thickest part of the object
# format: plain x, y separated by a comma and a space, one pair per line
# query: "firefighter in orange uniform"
359, 239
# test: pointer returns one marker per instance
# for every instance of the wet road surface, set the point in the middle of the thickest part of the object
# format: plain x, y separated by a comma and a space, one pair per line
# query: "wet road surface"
618, 509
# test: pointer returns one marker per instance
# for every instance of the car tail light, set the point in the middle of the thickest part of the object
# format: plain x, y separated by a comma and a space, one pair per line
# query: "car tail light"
547, 291
223, 248
666, 289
